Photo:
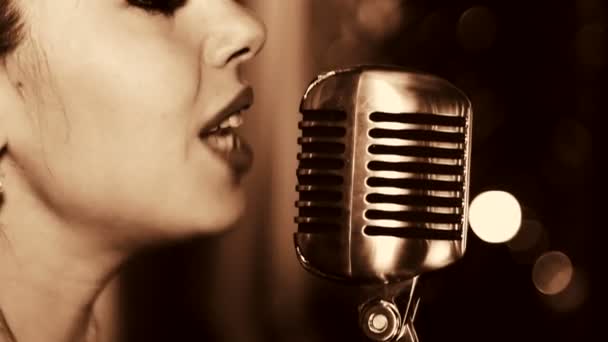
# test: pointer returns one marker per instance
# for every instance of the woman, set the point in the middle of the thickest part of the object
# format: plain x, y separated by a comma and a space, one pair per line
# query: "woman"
116, 133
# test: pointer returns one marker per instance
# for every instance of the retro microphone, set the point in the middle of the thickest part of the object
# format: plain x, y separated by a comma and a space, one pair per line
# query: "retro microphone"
383, 177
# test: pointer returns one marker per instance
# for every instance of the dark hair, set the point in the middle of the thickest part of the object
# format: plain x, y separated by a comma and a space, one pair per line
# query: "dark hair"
10, 27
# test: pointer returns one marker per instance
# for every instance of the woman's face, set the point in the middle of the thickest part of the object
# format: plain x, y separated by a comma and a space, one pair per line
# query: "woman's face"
115, 95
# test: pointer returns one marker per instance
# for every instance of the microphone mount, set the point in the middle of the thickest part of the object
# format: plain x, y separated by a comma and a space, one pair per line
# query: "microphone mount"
390, 317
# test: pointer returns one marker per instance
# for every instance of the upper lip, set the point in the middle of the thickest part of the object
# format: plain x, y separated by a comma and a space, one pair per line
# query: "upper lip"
241, 101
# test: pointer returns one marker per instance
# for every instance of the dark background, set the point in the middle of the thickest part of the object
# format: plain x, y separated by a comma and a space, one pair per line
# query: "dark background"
532, 70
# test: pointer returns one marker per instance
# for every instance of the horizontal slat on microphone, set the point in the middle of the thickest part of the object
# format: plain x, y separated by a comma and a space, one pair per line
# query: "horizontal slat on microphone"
426, 143
320, 179
307, 140
419, 118
417, 207
321, 129
414, 233
324, 115
417, 151
319, 161
320, 212
318, 203
413, 216
414, 134
316, 123
324, 132
414, 200
375, 165
398, 126
414, 183
391, 190
321, 155
320, 195
319, 228
393, 158
322, 146
321, 220
320, 172
315, 187
410, 175
411, 224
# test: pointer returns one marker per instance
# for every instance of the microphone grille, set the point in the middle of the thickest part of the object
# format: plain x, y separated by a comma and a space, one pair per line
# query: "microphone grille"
415, 175
320, 171
383, 174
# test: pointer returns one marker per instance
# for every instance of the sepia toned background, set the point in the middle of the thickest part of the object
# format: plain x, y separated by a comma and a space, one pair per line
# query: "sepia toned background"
532, 70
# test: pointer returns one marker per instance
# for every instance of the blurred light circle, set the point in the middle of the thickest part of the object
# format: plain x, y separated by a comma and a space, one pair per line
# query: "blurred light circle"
573, 296
530, 242
495, 216
379, 19
528, 235
552, 273
477, 28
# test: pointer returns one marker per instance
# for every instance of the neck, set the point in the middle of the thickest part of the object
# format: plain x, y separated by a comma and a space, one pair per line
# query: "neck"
50, 274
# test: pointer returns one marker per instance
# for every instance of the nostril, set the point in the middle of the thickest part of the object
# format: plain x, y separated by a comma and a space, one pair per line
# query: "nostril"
238, 54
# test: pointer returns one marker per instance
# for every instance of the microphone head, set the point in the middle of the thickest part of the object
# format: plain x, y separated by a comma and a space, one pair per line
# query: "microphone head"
383, 174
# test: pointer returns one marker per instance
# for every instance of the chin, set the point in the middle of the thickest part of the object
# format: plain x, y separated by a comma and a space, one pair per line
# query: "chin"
195, 217
220, 218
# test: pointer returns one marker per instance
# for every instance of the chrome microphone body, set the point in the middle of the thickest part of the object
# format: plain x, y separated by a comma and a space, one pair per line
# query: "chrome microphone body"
383, 175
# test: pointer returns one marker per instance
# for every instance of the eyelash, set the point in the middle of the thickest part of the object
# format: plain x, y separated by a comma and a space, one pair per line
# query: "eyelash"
164, 7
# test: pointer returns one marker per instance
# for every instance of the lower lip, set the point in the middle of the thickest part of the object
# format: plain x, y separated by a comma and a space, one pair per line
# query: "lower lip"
233, 149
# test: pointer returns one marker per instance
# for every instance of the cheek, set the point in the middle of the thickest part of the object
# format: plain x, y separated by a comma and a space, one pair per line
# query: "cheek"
120, 97
142, 82
109, 65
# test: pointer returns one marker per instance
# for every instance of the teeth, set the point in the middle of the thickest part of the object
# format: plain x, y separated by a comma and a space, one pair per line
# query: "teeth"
228, 142
224, 142
234, 121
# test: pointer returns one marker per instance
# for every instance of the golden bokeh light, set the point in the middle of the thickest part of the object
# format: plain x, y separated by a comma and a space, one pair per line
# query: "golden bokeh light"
573, 296
379, 19
552, 273
495, 216
531, 240
477, 28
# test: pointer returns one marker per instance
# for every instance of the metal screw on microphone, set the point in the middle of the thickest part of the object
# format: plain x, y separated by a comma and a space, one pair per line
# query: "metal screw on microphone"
380, 320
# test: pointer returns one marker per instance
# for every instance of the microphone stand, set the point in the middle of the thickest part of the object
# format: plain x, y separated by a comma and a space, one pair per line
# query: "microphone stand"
390, 316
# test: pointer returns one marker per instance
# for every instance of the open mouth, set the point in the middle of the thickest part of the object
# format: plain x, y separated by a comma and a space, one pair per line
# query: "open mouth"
223, 137
225, 142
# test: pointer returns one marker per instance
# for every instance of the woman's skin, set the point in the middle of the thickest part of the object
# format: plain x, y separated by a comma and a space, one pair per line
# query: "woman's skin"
102, 107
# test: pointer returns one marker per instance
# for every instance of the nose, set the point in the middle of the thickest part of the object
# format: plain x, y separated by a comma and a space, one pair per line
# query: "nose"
239, 36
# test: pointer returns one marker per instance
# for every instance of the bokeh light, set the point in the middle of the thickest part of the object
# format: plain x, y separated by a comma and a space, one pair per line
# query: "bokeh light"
495, 216
528, 235
379, 19
530, 241
477, 29
573, 296
552, 272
